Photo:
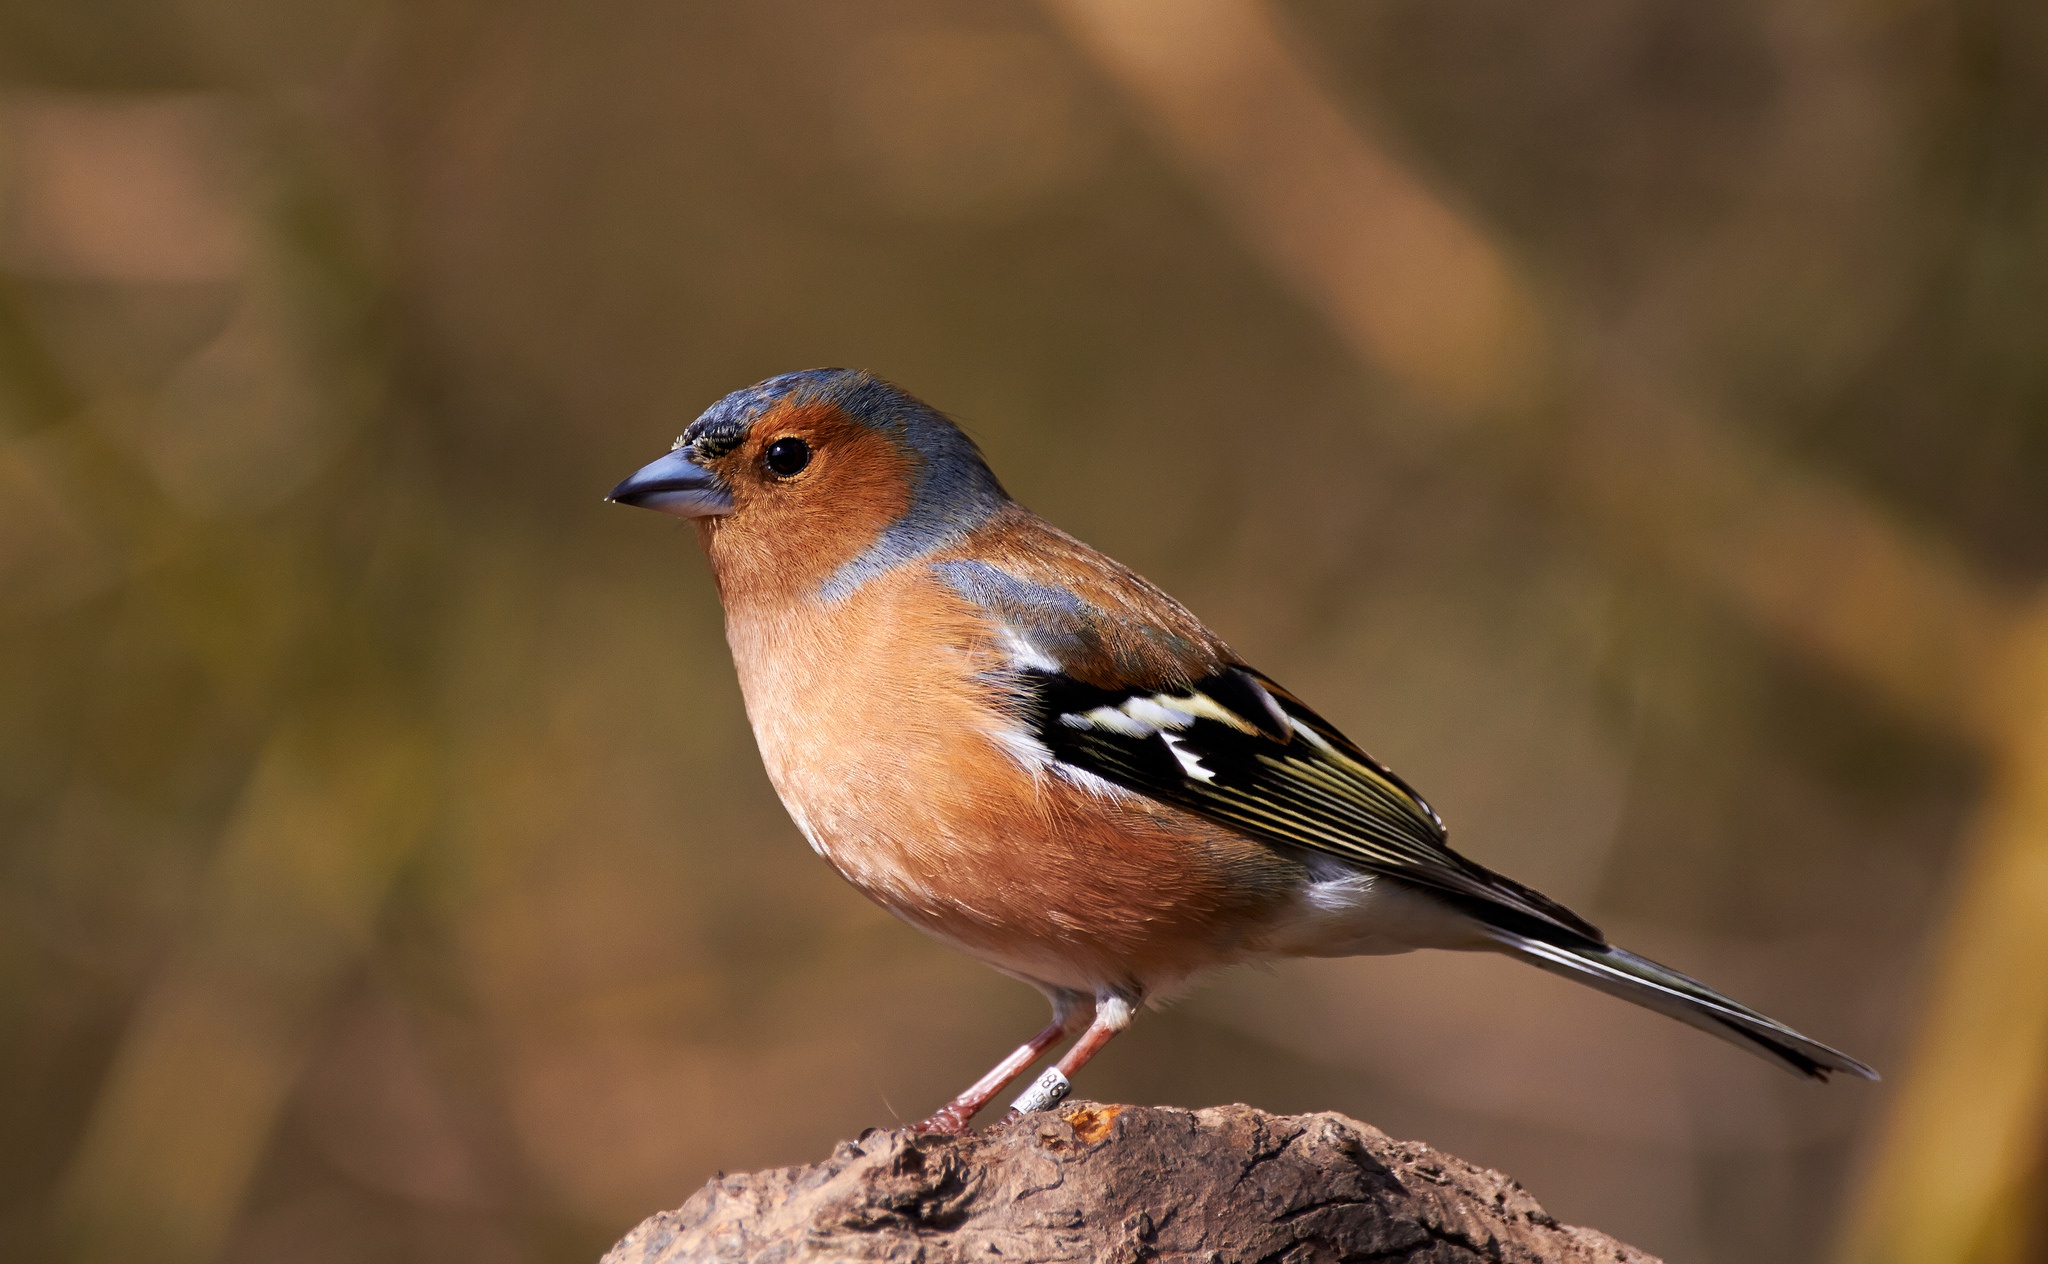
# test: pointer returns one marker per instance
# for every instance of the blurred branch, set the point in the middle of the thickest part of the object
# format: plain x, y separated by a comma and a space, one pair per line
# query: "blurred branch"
1829, 571
1411, 284
1425, 294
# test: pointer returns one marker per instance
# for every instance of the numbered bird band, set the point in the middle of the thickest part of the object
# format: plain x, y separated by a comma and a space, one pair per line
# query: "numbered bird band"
1045, 1092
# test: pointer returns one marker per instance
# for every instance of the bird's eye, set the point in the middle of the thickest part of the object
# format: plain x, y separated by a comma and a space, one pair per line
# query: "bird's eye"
787, 457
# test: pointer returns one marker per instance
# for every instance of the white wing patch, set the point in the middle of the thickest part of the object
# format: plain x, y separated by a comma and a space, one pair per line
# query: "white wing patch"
1113, 719
1024, 655
1190, 763
1144, 715
1158, 712
1166, 716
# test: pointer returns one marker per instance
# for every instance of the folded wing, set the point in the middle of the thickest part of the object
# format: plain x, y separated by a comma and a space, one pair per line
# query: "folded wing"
1241, 751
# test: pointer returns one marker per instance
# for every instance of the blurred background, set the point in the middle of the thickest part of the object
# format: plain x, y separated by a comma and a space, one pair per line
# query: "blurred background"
1629, 420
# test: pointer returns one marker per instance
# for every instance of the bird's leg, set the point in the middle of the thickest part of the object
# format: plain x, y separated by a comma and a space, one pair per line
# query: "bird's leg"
953, 1116
1112, 1015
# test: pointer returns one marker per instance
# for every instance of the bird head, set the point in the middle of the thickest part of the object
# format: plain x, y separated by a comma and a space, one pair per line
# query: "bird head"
818, 481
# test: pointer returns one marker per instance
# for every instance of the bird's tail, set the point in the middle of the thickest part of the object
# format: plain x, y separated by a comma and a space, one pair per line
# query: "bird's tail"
1665, 990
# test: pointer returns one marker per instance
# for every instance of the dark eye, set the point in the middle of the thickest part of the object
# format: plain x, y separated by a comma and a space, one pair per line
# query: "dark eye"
787, 456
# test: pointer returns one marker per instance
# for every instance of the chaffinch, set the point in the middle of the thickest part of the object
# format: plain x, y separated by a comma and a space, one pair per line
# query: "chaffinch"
1023, 748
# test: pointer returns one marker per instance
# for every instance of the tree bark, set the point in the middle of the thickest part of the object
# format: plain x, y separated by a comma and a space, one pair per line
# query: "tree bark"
1123, 1184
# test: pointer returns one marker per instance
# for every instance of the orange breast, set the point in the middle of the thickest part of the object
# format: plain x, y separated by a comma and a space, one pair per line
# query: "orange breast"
888, 745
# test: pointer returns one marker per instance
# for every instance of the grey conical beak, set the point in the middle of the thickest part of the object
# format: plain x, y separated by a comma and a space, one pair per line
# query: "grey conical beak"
677, 486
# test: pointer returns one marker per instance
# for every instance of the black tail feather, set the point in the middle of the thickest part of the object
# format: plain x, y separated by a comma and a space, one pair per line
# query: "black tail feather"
1653, 986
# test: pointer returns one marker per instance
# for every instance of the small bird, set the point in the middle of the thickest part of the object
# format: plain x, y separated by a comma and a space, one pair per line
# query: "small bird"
1023, 748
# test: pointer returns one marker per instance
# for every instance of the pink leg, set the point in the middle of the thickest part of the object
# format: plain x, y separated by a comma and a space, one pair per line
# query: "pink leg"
953, 1116
1112, 1015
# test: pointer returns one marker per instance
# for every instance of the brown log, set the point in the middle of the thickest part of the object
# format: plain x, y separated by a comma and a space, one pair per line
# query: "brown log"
1123, 1184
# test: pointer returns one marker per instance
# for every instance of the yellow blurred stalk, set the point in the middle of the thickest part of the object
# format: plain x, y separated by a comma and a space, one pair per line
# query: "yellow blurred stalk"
1427, 296
291, 901
1951, 1181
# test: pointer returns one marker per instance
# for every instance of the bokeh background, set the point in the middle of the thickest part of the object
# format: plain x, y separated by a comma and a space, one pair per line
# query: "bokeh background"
1630, 420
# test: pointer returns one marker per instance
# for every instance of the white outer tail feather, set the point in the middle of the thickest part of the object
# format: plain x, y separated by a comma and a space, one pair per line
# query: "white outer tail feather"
1658, 987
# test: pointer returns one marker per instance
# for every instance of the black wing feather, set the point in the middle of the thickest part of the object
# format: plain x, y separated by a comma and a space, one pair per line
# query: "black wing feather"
1241, 751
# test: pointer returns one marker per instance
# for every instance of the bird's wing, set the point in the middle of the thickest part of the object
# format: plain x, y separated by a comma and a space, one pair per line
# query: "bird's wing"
1115, 679
1241, 751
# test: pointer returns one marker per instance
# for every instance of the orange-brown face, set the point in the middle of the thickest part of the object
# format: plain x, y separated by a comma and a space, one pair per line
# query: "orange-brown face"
811, 490
804, 490
816, 482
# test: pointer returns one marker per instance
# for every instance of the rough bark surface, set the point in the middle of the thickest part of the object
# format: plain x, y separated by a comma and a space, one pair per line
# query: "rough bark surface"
1123, 1184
